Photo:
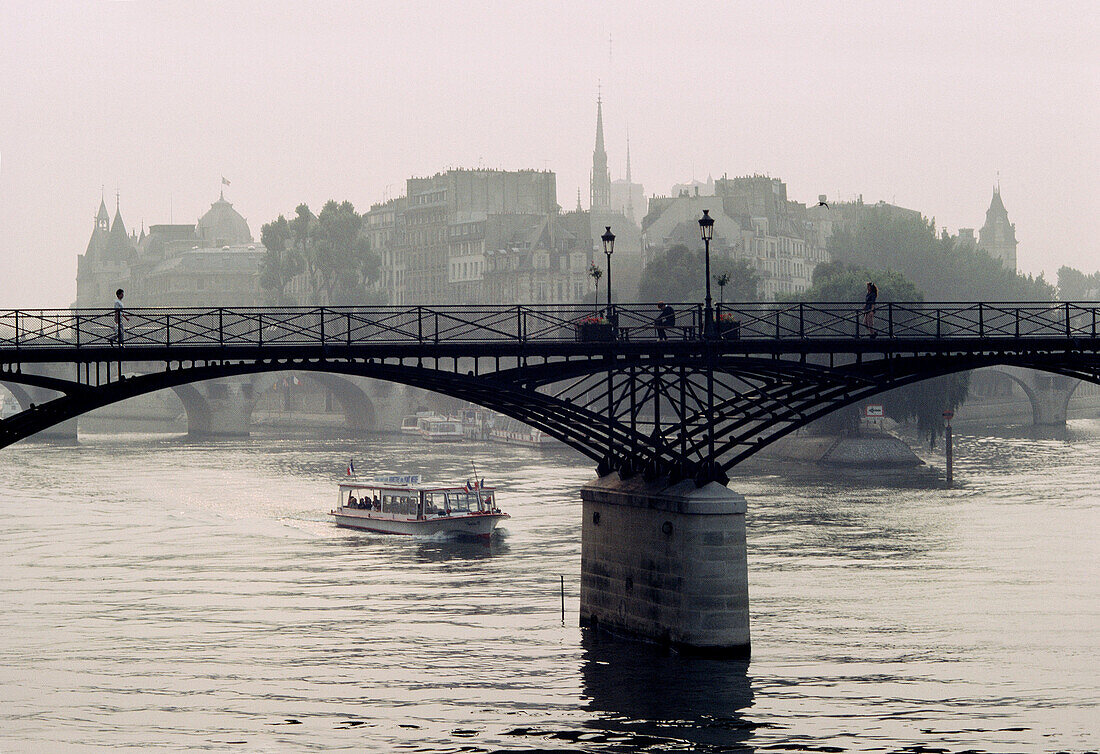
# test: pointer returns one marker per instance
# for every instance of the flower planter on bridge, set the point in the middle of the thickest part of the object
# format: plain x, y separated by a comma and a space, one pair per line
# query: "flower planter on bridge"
595, 331
729, 329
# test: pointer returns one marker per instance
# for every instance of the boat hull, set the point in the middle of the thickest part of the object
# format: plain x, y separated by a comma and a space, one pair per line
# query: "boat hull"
473, 525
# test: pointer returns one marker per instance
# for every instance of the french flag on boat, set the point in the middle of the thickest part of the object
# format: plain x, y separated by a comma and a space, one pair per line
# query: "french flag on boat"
351, 468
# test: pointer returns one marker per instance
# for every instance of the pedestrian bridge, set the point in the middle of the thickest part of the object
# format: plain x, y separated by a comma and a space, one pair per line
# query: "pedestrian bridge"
682, 401
664, 413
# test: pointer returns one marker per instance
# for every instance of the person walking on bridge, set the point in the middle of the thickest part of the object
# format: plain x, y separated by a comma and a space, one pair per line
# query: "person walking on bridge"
665, 320
120, 315
869, 308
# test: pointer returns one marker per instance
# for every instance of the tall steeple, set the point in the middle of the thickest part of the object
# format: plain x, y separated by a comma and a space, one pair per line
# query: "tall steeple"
600, 198
100, 231
628, 179
119, 245
629, 184
998, 235
102, 219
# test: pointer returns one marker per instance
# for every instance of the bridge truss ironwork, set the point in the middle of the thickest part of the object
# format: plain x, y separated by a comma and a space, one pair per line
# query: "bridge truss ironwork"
632, 396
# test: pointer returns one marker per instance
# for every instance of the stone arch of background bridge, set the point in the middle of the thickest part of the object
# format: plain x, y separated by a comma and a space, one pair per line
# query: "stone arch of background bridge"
1049, 394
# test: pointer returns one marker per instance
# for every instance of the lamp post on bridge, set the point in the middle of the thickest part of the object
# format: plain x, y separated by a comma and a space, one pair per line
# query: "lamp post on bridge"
608, 239
706, 229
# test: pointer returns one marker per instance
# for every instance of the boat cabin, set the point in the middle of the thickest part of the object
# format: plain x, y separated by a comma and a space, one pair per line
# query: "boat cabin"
416, 502
439, 429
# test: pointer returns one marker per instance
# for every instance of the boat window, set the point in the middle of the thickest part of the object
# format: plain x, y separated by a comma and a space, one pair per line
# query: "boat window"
460, 502
433, 503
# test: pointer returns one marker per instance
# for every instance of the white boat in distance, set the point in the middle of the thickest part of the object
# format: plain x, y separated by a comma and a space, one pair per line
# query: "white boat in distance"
414, 508
442, 429
433, 427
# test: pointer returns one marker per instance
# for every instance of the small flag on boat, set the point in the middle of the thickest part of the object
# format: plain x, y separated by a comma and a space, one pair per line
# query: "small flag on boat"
469, 487
351, 468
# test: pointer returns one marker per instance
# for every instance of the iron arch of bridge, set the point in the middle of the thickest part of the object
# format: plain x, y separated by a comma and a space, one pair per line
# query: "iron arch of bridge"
692, 412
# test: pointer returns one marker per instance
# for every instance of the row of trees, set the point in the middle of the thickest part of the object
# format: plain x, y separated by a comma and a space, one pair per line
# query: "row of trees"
923, 402
328, 251
679, 275
905, 258
1074, 285
943, 268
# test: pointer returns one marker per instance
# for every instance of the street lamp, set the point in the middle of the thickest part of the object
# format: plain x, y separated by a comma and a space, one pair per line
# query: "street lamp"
706, 229
608, 239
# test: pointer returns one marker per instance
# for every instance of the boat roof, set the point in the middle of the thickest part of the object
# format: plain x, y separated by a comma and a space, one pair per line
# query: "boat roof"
423, 486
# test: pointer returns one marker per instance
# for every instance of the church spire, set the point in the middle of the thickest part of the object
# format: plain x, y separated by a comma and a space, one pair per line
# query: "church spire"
601, 177
628, 179
599, 126
629, 184
998, 235
102, 219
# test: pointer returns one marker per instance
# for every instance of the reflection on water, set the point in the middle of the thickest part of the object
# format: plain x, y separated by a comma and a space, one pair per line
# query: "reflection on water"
657, 700
442, 549
161, 592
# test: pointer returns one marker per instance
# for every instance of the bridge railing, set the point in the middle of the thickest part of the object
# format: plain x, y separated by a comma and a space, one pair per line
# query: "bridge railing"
256, 326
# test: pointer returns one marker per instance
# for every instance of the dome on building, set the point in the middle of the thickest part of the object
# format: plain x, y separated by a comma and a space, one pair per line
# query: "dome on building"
222, 225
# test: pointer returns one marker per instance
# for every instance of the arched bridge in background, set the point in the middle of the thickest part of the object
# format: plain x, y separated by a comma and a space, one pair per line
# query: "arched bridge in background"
662, 403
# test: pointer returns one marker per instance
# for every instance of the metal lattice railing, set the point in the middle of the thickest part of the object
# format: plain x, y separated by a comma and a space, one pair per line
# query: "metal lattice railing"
298, 326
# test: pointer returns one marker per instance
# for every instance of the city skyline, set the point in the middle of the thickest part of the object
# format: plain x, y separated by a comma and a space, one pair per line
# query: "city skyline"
92, 98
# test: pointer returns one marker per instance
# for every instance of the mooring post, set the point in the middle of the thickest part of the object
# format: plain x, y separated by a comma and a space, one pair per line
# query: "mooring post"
947, 415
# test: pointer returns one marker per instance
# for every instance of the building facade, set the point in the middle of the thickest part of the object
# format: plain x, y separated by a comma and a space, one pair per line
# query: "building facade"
754, 221
107, 261
537, 259
213, 262
477, 236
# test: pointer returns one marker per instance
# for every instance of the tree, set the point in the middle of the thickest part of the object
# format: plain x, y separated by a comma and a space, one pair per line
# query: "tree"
944, 268
924, 401
328, 250
679, 274
1074, 285
595, 272
279, 264
840, 281
740, 277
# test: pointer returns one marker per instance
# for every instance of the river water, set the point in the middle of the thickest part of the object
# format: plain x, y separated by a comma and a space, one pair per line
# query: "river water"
159, 593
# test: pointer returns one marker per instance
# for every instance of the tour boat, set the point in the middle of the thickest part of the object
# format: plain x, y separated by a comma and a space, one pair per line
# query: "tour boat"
405, 506
408, 425
414, 424
442, 429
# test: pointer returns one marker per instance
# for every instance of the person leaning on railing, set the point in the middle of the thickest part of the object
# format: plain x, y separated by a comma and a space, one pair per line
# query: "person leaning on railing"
664, 320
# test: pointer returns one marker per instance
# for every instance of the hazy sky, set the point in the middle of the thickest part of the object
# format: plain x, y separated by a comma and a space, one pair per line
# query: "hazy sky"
916, 103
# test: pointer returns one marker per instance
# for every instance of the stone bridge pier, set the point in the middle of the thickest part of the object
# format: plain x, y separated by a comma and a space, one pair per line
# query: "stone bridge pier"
667, 562
218, 408
1049, 394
